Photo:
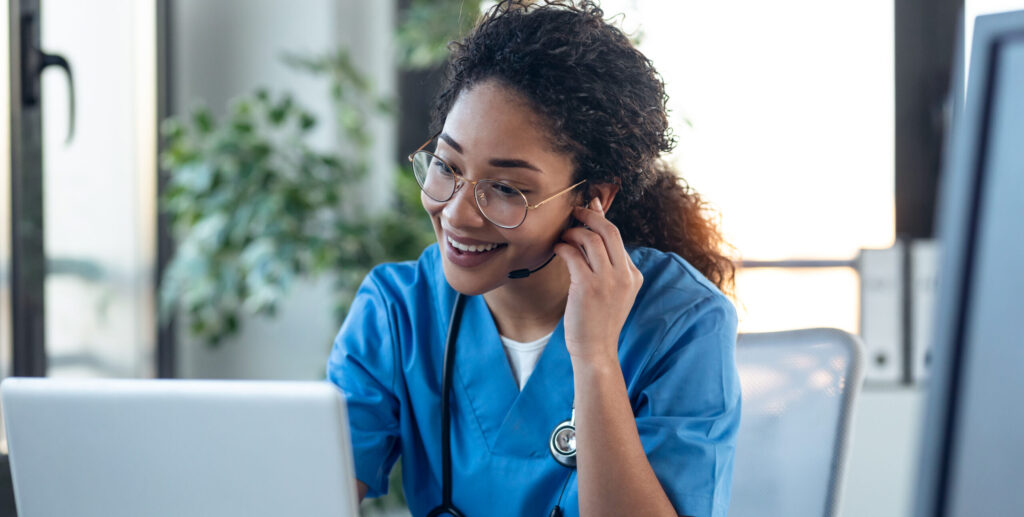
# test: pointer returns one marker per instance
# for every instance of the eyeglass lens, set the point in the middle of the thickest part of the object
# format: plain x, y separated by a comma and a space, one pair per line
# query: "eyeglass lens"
502, 204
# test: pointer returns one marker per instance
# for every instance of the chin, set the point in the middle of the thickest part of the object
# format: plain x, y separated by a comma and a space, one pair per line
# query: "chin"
470, 283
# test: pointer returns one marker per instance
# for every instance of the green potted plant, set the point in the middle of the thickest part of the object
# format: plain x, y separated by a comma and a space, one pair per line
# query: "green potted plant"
253, 205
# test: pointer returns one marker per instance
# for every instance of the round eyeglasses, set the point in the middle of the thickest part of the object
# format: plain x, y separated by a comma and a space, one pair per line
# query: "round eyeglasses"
502, 204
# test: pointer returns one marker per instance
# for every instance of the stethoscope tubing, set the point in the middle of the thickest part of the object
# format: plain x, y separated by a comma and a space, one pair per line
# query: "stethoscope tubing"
447, 506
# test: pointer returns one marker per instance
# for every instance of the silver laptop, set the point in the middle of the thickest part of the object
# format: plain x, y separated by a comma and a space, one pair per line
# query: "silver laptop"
156, 448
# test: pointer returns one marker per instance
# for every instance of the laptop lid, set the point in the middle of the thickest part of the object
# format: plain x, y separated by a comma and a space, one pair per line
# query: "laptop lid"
111, 448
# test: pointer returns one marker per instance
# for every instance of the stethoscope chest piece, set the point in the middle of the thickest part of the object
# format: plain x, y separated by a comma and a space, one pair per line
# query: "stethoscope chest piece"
563, 442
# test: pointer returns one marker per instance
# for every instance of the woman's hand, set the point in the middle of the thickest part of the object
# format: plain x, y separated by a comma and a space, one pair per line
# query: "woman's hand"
602, 287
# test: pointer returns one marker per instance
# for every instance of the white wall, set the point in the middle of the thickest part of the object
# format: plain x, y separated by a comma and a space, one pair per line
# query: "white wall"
225, 48
884, 449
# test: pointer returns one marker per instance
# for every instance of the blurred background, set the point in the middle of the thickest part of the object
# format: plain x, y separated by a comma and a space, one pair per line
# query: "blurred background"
194, 188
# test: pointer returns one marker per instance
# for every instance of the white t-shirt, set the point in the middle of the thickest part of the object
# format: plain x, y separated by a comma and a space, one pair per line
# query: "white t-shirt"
523, 357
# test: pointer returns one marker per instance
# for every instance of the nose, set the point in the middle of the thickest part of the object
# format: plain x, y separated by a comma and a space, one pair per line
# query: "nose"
461, 210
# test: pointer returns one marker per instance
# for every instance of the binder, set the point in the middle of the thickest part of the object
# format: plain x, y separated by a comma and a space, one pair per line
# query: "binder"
924, 270
882, 313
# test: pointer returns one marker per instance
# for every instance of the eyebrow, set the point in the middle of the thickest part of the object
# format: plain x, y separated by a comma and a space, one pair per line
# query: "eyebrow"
451, 142
507, 163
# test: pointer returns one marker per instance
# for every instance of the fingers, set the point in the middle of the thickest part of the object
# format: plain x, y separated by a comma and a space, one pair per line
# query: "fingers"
574, 260
592, 246
595, 220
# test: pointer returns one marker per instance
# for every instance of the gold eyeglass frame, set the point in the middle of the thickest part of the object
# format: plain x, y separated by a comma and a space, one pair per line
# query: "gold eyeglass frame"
476, 199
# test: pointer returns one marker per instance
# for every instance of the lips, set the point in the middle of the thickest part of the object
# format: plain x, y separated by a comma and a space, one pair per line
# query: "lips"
466, 252
473, 248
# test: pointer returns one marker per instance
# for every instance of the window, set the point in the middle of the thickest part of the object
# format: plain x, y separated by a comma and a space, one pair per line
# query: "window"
99, 190
6, 327
784, 117
975, 8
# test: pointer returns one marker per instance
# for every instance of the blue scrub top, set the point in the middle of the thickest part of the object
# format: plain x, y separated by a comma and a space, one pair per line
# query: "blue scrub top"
676, 350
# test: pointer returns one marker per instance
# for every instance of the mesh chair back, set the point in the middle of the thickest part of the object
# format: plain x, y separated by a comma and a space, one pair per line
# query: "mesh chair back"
798, 392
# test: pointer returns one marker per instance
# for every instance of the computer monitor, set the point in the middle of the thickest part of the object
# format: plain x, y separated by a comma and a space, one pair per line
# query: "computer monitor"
972, 454
163, 448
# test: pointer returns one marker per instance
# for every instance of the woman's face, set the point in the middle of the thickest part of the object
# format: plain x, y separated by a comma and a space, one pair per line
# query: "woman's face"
490, 133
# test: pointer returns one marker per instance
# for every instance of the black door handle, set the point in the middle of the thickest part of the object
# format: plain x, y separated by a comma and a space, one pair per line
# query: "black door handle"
33, 62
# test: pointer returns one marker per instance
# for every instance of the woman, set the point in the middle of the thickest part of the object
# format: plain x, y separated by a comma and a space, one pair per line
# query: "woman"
590, 294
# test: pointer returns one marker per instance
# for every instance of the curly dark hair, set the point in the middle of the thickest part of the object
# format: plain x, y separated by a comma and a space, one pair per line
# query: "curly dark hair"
605, 106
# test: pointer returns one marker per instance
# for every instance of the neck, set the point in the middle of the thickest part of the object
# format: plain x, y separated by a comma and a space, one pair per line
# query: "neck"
525, 309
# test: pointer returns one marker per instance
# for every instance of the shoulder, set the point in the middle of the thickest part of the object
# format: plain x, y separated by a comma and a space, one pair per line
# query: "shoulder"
672, 286
678, 313
392, 296
682, 327
398, 282
414, 293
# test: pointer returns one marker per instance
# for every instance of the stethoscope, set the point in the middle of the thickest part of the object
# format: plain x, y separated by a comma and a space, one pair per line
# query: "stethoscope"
562, 443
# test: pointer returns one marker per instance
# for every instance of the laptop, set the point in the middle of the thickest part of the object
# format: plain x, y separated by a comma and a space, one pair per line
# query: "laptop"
110, 448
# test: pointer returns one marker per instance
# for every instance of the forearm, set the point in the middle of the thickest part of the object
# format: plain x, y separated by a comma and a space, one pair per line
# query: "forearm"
614, 475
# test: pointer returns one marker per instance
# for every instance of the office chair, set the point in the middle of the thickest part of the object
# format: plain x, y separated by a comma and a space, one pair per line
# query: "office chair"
798, 391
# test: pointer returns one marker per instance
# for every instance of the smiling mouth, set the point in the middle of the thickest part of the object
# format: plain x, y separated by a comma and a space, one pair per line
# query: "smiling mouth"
472, 248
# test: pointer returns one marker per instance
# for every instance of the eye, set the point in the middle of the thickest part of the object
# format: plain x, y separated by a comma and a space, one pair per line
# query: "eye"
440, 167
504, 190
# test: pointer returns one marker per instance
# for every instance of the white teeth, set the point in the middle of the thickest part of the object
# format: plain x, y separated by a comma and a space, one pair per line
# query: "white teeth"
472, 248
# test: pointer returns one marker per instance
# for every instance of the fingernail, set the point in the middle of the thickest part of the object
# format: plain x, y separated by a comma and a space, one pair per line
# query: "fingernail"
597, 201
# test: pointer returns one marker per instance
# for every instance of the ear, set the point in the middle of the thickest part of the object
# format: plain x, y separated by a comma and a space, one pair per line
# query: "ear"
605, 192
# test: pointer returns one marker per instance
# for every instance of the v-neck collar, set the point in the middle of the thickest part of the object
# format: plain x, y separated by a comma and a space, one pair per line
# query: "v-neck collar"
513, 422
